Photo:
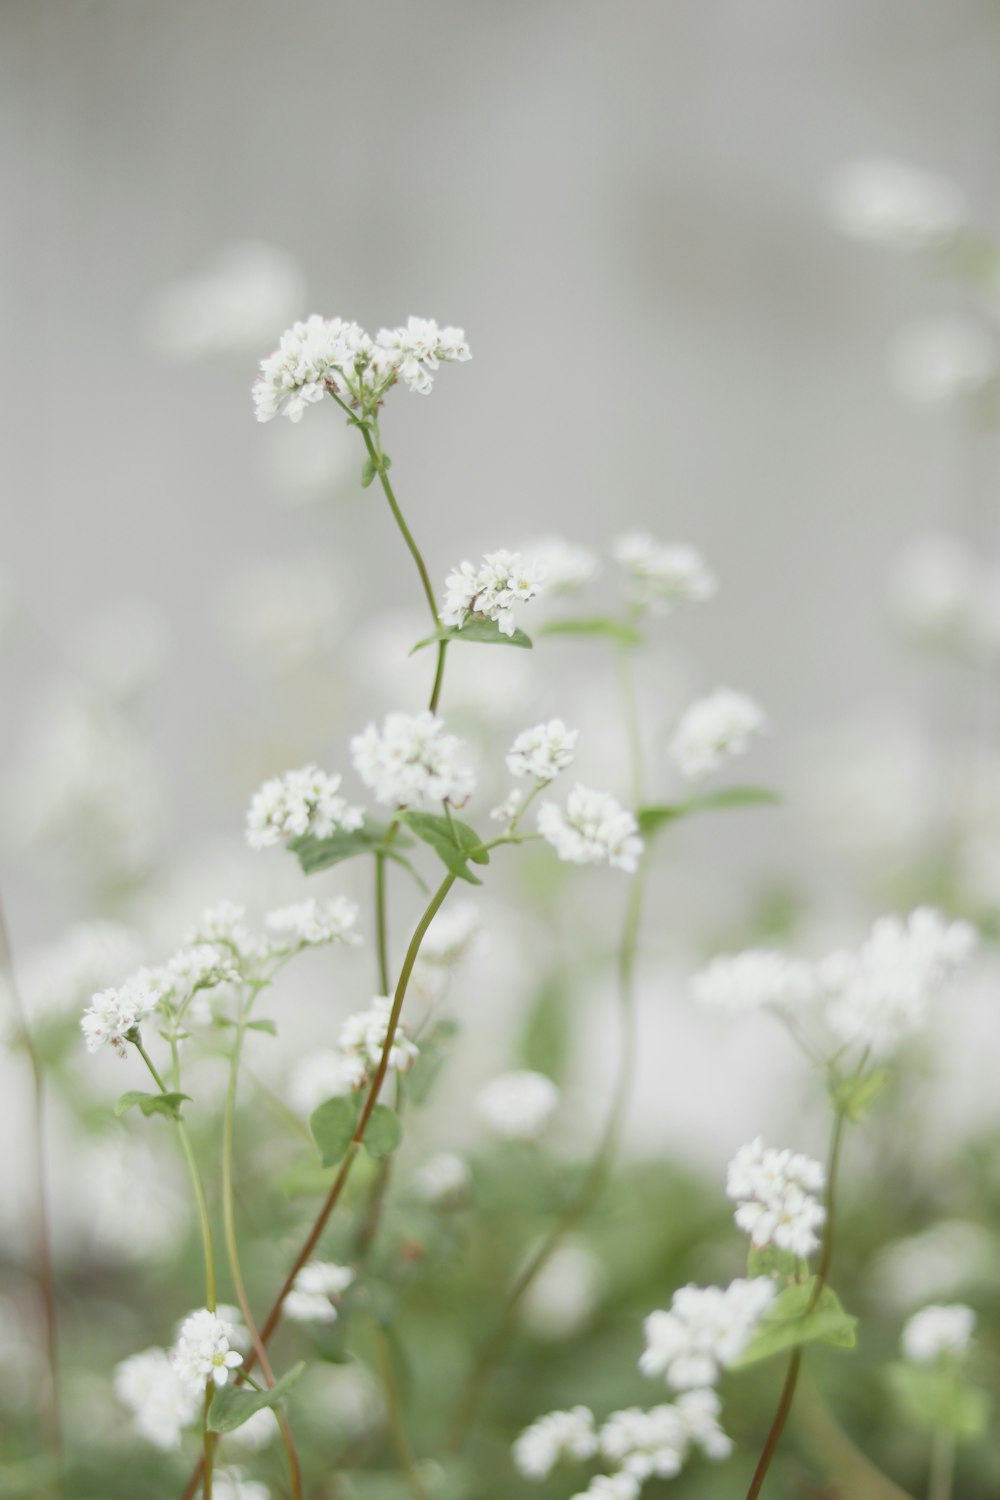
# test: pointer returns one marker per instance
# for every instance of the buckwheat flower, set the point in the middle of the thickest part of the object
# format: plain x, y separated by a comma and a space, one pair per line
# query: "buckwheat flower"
517, 1106
232, 1484
593, 828
507, 810
442, 1180
202, 967
567, 566
113, 1014
411, 761
411, 353
544, 751
161, 1404
620, 1486
299, 802
889, 203
656, 1442
706, 1330
659, 576
362, 1039
318, 1076
311, 922
559, 1435
699, 1411
943, 359
202, 1350
490, 589
311, 1299
223, 924
758, 979
938, 1332
309, 356
775, 1192
713, 730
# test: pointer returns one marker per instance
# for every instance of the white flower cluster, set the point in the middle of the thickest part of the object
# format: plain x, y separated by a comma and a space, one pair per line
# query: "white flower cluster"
317, 1285
568, 567
411, 761
517, 1106
890, 203
714, 730
362, 1039
232, 1484
113, 1014
203, 1352
659, 576
706, 1329
558, 1435
871, 998
161, 1403
442, 1180
937, 1333
330, 355
489, 590
311, 922
592, 828
775, 1192
544, 751
299, 802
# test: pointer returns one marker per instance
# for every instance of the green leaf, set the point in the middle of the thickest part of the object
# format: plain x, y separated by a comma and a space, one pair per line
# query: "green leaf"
368, 471
479, 631
333, 1124
316, 854
651, 819
789, 1323
453, 841
263, 1025
232, 1405
152, 1104
619, 631
854, 1097
936, 1396
383, 1132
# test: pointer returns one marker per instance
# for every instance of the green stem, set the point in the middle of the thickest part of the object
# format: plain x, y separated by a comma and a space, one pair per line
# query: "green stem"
208, 1441
942, 1469
394, 1413
381, 925
375, 454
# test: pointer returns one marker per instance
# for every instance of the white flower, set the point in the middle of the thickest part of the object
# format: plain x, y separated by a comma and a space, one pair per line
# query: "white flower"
443, 1179
299, 802
890, 203
620, 1486
568, 567
414, 351
699, 1411
232, 1484
491, 588
881, 994
64, 974
518, 1106
202, 1350
224, 925
312, 921
256, 1432
938, 1331
411, 761
933, 588
657, 1442
660, 576
594, 827
202, 967
162, 1405
112, 1014
774, 1190
310, 355
714, 729
454, 932
563, 1295
313, 1290
362, 1039
507, 810
706, 1329
942, 359
559, 1435
758, 979
544, 751
316, 1077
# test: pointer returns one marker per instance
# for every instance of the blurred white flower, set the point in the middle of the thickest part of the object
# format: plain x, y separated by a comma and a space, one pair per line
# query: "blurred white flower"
162, 1404
890, 203
443, 1179
517, 1106
296, 803
411, 761
758, 979
937, 1262
658, 576
256, 1432
564, 1294
232, 1484
542, 752
558, 1435
313, 921
775, 1193
620, 1486
713, 730
655, 1443
246, 290
938, 1331
568, 567
362, 1039
593, 828
706, 1329
508, 809
68, 971
490, 589
932, 589
942, 359
315, 1290
316, 1077
136, 1201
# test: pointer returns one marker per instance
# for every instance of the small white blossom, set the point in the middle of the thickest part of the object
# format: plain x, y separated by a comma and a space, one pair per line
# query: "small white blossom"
313, 921
713, 730
411, 761
758, 979
890, 203
938, 1331
490, 589
660, 576
202, 967
518, 1106
318, 1283
593, 827
414, 351
316, 1077
657, 1442
362, 1039
706, 1329
775, 1192
443, 1179
202, 1351
942, 359
568, 567
507, 810
559, 1435
224, 924
162, 1405
232, 1484
112, 1014
620, 1486
544, 751
299, 802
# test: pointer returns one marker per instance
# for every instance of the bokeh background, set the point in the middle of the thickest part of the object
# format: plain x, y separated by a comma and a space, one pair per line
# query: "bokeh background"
627, 207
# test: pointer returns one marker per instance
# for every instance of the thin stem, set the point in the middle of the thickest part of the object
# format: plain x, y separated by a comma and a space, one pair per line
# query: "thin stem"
942, 1470
381, 925
375, 454
208, 1441
777, 1426
44, 1271
394, 1413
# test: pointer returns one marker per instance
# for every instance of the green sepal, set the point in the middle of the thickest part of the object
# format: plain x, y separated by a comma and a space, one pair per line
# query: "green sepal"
383, 1132
232, 1405
453, 841
651, 819
368, 471
152, 1104
333, 1124
270, 1027
789, 1322
618, 631
480, 631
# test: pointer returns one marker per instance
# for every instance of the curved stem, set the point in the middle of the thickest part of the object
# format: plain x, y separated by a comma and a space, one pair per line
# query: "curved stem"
381, 925
375, 454
777, 1426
